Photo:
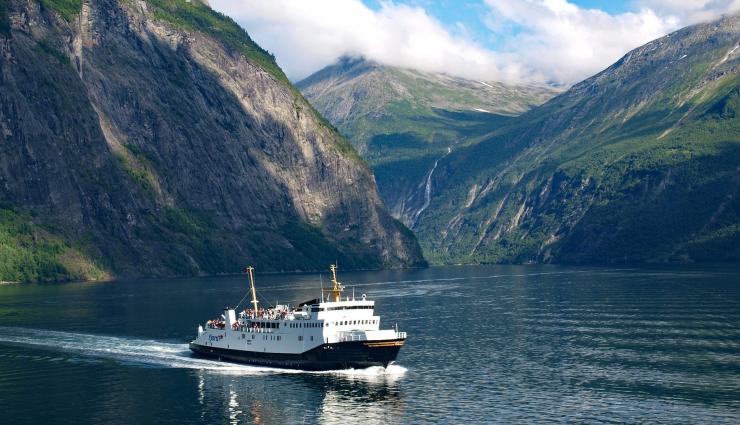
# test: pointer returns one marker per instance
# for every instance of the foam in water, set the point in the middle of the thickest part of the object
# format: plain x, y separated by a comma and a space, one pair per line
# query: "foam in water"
157, 353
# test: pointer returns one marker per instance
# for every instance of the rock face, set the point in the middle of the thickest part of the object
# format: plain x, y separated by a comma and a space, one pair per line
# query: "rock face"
638, 163
156, 138
402, 121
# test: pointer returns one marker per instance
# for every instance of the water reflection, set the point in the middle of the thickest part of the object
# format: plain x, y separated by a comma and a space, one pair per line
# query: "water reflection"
508, 344
346, 397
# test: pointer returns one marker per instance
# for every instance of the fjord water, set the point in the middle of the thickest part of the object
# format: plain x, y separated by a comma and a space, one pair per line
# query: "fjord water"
486, 344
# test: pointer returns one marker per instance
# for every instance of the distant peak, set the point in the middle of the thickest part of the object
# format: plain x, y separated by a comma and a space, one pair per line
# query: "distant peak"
350, 62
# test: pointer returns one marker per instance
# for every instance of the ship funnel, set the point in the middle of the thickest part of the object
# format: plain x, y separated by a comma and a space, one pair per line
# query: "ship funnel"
229, 317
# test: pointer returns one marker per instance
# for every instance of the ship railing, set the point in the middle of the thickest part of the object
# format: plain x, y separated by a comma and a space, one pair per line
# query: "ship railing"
401, 335
352, 336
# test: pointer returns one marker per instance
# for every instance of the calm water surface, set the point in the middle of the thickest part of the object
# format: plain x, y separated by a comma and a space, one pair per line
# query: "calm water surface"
502, 344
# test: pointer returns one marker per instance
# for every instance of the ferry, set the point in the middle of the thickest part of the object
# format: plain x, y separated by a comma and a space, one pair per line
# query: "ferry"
327, 333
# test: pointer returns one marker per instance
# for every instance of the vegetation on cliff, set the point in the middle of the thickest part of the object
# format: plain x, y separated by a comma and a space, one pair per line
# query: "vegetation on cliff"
403, 120
157, 139
636, 164
30, 253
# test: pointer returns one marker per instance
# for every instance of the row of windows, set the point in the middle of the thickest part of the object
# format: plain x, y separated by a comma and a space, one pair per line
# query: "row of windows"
272, 337
276, 325
352, 307
307, 325
272, 325
342, 323
356, 322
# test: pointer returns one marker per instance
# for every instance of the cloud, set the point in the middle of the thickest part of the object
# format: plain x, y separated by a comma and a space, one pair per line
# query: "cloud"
566, 43
536, 40
690, 11
307, 35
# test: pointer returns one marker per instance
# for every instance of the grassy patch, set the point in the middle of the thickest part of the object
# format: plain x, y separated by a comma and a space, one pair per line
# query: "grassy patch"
196, 16
29, 253
68, 9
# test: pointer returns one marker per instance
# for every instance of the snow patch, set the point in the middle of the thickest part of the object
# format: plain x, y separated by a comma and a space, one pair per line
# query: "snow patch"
481, 110
485, 84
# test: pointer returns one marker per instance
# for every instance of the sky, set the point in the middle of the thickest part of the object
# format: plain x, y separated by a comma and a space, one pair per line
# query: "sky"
516, 41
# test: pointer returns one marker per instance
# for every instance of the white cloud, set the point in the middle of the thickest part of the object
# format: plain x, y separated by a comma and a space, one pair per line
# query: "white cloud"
307, 35
567, 43
552, 40
690, 11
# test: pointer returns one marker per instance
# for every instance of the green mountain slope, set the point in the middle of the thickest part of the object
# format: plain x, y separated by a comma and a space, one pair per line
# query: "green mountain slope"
638, 163
156, 138
402, 120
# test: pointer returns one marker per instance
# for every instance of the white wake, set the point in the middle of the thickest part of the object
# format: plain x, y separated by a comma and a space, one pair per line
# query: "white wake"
149, 352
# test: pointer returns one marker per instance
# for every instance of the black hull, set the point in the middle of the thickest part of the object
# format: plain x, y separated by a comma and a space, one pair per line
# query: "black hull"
341, 355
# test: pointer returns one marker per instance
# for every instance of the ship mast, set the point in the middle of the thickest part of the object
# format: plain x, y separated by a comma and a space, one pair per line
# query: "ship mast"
337, 289
250, 269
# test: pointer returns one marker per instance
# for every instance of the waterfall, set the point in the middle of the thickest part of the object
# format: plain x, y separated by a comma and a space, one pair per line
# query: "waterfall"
427, 190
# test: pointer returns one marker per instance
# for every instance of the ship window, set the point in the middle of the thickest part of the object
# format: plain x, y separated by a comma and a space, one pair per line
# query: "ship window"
243, 336
312, 338
253, 335
300, 337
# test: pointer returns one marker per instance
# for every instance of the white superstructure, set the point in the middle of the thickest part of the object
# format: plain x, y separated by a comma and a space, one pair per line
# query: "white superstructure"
283, 335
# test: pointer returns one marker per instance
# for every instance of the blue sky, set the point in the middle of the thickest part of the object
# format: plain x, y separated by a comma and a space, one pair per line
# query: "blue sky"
544, 41
471, 13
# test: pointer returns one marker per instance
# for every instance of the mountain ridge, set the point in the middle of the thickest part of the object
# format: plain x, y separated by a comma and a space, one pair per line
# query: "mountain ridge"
630, 165
187, 155
402, 120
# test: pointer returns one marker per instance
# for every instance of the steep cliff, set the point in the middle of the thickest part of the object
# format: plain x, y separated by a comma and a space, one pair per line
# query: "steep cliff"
155, 138
638, 163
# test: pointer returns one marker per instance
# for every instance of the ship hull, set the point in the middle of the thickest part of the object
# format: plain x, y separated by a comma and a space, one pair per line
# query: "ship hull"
340, 355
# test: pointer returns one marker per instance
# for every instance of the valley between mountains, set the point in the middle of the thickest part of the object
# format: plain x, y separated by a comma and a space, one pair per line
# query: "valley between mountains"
639, 163
156, 138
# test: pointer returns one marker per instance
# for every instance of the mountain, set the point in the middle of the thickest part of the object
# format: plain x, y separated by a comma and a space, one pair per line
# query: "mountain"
639, 163
156, 138
402, 120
